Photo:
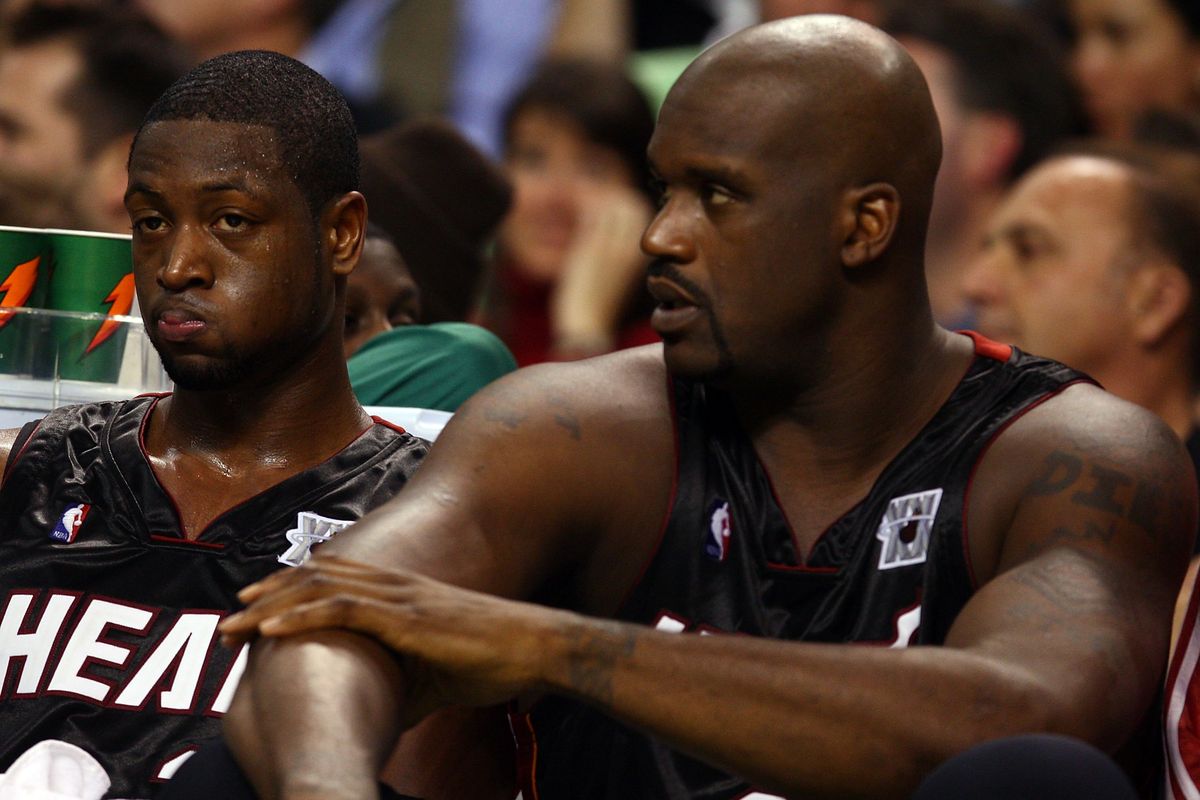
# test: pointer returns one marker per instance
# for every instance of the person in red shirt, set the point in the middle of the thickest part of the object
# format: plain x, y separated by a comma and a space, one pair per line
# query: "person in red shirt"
568, 273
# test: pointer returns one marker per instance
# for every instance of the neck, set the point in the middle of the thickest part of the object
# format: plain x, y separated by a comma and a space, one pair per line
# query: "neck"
294, 419
874, 393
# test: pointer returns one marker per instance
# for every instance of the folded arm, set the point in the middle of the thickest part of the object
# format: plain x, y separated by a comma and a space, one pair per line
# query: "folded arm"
509, 504
1081, 535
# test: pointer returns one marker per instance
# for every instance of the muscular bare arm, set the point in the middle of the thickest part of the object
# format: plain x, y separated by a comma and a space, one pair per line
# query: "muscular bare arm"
1082, 519
508, 503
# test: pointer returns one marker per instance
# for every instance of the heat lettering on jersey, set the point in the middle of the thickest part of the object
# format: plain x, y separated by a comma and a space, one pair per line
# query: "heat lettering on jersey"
188, 643
55, 648
34, 646
907, 624
86, 643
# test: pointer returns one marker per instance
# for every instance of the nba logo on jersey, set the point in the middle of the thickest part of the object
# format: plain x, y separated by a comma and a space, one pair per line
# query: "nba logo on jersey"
311, 529
905, 529
67, 527
716, 544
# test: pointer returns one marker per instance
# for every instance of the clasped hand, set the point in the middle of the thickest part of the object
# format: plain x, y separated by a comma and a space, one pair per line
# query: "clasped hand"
457, 646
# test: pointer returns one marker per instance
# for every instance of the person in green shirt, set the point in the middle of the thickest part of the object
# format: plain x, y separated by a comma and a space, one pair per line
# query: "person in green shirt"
395, 362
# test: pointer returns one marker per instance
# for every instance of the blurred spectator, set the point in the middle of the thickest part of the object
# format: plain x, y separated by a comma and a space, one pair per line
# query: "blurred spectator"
1177, 131
440, 200
464, 60
1004, 99
1094, 260
395, 362
569, 269
434, 201
209, 29
872, 11
75, 81
1134, 56
338, 38
380, 294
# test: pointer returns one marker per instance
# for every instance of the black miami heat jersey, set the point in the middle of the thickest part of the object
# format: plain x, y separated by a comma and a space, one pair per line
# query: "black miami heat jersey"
108, 625
893, 571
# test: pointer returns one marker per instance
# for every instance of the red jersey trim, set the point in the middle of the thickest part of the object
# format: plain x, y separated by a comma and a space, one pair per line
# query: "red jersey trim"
666, 519
158, 537
386, 424
1181, 708
525, 738
989, 349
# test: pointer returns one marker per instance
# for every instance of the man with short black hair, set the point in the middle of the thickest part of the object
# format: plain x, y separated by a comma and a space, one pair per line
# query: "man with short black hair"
128, 527
75, 81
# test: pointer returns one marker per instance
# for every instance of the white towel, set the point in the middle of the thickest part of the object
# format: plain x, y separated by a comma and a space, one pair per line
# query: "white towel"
54, 770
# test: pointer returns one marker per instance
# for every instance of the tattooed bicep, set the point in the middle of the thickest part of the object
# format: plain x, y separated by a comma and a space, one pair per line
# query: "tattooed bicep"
1126, 487
1114, 492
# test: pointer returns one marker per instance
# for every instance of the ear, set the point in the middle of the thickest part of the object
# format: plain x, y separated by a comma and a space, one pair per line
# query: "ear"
343, 225
869, 222
990, 144
1158, 297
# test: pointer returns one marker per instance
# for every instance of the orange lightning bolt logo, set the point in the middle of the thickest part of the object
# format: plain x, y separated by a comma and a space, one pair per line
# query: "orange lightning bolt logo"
121, 298
17, 287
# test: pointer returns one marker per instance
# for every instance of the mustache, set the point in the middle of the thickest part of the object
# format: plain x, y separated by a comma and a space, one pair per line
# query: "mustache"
659, 268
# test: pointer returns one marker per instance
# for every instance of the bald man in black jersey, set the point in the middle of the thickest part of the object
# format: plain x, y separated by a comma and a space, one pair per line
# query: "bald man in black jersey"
807, 459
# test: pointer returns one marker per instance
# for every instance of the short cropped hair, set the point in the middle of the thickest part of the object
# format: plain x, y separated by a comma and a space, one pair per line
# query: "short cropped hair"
317, 140
127, 62
1163, 208
1166, 220
600, 98
1005, 62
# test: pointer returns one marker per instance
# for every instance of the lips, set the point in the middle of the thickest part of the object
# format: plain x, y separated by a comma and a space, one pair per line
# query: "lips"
668, 294
178, 324
676, 308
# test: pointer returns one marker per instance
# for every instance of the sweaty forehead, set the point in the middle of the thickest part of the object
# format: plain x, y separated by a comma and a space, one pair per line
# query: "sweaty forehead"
203, 148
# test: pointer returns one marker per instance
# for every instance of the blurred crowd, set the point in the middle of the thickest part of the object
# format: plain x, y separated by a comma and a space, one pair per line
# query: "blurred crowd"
503, 156
520, 202
503, 142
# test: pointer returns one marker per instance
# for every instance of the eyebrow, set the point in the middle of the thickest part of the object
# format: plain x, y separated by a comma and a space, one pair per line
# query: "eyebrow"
1026, 229
213, 187
137, 187
704, 173
226, 186
717, 174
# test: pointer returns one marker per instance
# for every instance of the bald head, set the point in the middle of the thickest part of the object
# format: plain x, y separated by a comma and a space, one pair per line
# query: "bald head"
829, 88
797, 162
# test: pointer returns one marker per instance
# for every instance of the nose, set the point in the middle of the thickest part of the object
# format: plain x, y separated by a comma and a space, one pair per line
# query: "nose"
186, 262
1090, 61
981, 284
668, 236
